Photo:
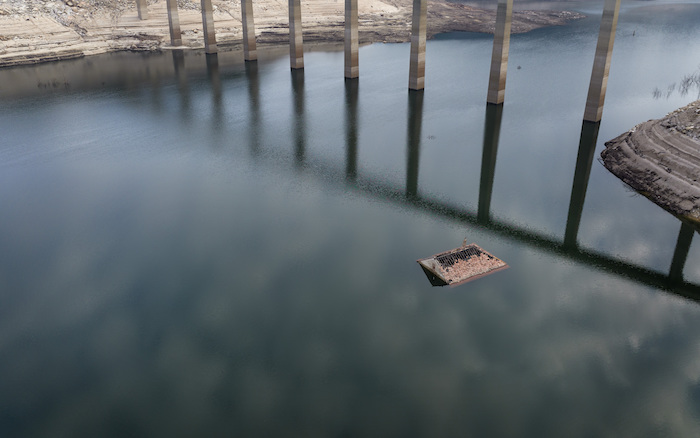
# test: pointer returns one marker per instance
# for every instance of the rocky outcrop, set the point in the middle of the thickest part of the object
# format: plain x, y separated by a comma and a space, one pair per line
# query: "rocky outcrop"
661, 160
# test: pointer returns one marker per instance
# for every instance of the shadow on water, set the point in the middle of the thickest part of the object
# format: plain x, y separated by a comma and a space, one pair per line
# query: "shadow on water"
415, 122
352, 87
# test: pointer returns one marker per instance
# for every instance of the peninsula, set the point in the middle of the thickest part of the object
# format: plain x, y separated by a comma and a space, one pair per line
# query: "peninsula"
33, 31
661, 160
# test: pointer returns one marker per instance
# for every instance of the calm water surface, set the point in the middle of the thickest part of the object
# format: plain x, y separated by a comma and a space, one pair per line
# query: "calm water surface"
197, 247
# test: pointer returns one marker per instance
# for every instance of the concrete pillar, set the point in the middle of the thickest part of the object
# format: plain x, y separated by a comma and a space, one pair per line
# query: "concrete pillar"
250, 52
296, 43
351, 92
142, 9
208, 23
352, 66
174, 23
680, 255
584, 161
601, 63
499, 56
416, 76
415, 122
492, 131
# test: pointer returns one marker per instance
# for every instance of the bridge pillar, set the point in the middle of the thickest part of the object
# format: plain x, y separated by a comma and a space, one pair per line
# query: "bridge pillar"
174, 23
499, 56
601, 63
142, 9
208, 23
250, 52
352, 68
416, 77
296, 43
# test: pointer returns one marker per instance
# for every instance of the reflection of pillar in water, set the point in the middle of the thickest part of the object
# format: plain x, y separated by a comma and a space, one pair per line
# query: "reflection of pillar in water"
298, 90
251, 72
601, 63
174, 23
499, 56
584, 161
351, 91
215, 79
142, 9
208, 23
250, 52
685, 238
416, 75
296, 43
352, 66
181, 76
415, 121
492, 130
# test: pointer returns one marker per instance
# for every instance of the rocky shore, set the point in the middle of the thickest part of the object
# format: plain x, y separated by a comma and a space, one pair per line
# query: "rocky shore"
661, 160
34, 31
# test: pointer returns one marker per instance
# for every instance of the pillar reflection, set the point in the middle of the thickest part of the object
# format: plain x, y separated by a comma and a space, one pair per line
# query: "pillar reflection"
181, 78
492, 131
215, 80
299, 122
584, 160
685, 238
351, 91
251, 72
415, 121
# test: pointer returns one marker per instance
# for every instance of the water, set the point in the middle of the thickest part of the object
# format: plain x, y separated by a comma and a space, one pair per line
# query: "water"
215, 249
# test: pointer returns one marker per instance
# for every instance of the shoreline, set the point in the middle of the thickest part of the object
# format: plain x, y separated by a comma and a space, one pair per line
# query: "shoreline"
67, 29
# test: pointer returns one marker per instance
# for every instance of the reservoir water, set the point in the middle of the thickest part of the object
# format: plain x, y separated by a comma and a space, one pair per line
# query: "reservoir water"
193, 246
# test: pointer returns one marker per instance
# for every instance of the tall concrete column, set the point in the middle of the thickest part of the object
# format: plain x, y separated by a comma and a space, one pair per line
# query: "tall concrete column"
352, 66
601, 64
499, 56
174, 23
250, 52
416, 76
296, 43
492, 131
208, 23
142, 9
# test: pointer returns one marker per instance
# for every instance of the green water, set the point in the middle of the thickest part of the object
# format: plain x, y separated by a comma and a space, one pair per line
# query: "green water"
193, 246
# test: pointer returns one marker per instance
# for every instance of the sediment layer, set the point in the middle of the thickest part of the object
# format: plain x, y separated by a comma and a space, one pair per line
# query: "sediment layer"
661, 160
